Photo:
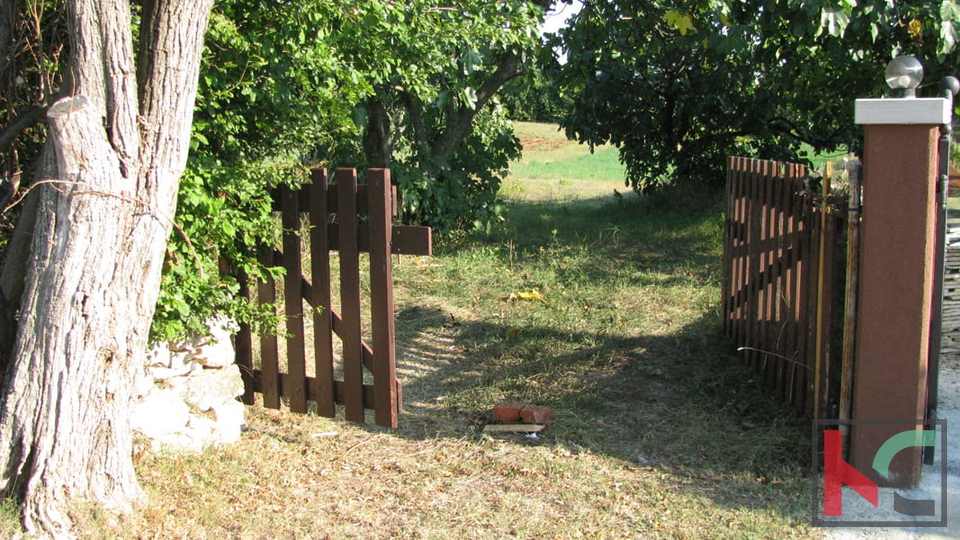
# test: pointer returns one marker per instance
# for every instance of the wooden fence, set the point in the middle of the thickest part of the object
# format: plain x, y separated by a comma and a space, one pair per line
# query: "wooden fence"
783, 281
363, 223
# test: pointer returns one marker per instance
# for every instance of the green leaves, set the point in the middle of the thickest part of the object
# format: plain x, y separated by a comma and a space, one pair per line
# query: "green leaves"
471, 61
469, 97
678, 86
301, 81
949, 19
834, 20
681, 21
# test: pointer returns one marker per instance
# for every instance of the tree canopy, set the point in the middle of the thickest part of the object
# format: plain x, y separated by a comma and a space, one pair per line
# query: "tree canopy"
679, 85
285, 85
360, 84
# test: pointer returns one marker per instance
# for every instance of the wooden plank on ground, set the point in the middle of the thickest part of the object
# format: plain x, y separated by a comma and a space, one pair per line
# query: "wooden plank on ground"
513, 428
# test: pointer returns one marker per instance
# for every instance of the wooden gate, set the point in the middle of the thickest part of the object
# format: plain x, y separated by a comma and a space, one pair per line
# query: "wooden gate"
783, 282
351, 219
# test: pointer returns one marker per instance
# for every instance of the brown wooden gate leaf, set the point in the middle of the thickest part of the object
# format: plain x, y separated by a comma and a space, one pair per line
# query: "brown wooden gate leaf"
379, 238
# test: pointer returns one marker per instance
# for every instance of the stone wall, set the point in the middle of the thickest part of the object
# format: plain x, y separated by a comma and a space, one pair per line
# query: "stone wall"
187, 397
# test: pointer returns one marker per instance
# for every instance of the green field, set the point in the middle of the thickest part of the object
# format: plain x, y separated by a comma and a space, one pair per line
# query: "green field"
602, 308
555, 168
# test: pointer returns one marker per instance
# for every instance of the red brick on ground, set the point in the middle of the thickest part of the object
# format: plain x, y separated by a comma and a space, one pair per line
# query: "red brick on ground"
508, 412
533, 414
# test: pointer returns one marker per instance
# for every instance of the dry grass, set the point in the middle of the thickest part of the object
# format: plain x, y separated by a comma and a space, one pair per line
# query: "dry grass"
290, 478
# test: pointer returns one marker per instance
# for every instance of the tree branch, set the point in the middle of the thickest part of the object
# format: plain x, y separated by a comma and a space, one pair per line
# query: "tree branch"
413, 106
460, 120
26, 119
7, 22
102, 63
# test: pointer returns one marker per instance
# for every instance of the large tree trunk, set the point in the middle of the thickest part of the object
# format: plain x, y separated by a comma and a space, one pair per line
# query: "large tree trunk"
93, 274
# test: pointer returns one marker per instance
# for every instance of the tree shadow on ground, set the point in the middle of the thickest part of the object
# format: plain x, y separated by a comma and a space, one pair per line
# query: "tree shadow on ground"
679, 402
673, 399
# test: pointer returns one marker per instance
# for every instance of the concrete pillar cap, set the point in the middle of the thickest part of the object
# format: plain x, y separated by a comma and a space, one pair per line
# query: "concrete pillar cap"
935, 111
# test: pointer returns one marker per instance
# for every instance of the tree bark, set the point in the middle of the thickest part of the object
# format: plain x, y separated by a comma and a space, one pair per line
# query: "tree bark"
376, 137
94, 265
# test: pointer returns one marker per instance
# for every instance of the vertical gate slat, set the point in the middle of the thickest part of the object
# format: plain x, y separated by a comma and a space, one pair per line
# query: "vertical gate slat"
734, 224
743, 254
804, 263
776, 281
296, 390
269, 357
753, 318
350, 294
381, 297
787, 319
797, 262
729, 217
761, 275
745, 329
320, 293
766, 266
244, 342
735, 275
826, 328
780, 250
812, 306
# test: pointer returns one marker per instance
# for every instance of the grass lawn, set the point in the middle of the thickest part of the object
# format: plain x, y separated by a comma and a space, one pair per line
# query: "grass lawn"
657, 429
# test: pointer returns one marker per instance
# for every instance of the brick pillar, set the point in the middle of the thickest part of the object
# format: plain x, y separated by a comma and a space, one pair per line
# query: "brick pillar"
897, 263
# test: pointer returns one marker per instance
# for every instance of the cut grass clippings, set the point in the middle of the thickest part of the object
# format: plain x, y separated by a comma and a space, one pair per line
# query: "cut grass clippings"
657, 431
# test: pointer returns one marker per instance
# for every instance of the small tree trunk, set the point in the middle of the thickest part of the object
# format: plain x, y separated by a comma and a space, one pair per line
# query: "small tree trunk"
93, 273
376, 137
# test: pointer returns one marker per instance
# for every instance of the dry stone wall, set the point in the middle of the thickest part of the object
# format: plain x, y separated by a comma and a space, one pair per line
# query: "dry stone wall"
187, 396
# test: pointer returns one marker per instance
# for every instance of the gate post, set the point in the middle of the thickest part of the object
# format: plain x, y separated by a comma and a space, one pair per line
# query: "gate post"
897, 266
